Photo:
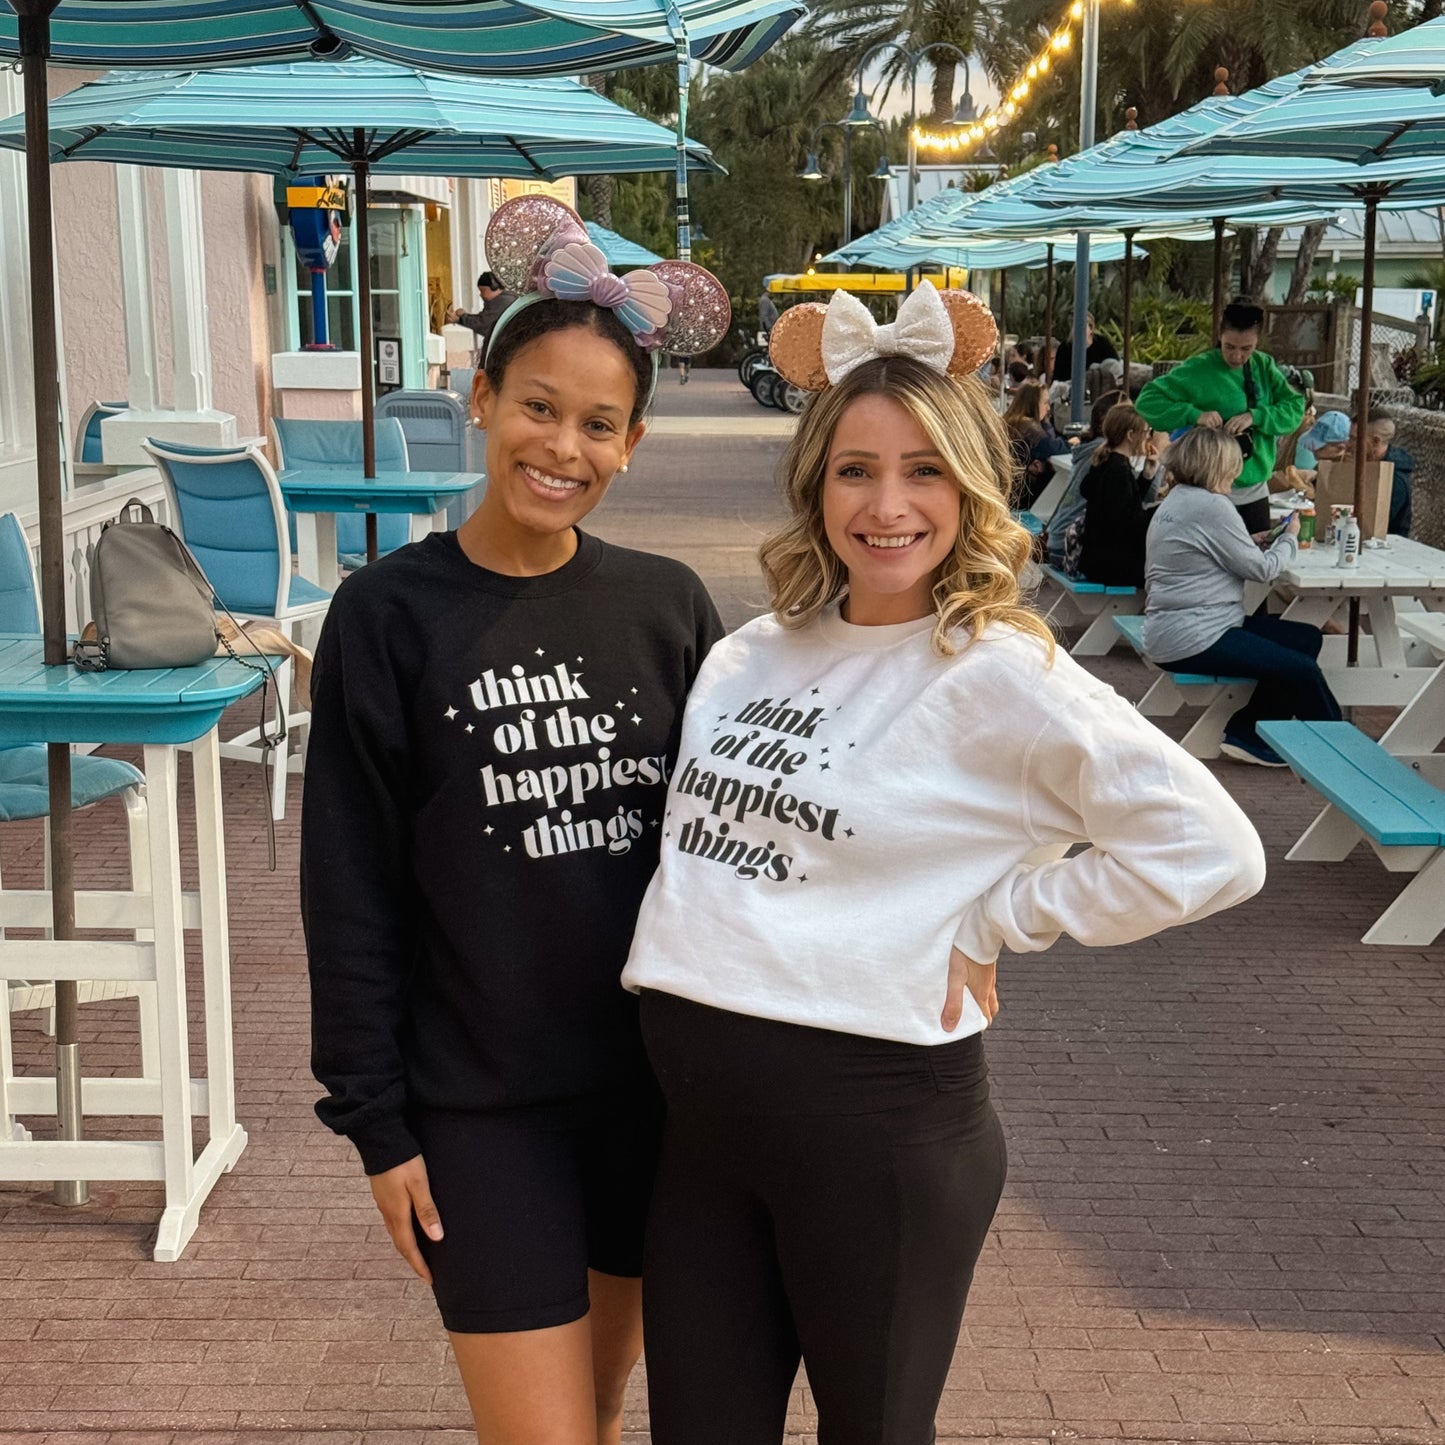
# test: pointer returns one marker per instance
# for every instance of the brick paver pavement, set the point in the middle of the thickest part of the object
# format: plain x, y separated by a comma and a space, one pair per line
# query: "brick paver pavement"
1225, 1217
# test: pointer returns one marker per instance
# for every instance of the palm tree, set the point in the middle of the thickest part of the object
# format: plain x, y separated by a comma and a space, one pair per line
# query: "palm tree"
761, 217
849, 28
650, 91
1159, 56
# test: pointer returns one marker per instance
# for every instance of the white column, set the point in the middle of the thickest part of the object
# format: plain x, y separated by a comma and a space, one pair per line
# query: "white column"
189, 330
472, 218
17, 403
191, 418
142, 390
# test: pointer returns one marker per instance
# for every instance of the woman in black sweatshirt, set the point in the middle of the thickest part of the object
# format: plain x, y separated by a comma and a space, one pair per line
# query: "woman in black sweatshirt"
496, 713
1115, 491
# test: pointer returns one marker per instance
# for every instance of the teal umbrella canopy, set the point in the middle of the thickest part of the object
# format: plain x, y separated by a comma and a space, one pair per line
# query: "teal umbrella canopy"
1136, 174
876, 251
1007, 211
499, 37
1414, 57
312, 117
618, 249
1359, 126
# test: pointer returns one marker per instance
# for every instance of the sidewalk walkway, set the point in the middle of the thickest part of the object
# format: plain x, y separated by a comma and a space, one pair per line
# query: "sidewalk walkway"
1225, 1217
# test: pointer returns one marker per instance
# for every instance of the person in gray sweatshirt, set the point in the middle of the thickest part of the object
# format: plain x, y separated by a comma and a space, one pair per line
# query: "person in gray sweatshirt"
1197, 559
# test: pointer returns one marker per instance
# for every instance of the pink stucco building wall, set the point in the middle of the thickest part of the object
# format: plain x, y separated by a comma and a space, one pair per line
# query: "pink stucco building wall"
240, 237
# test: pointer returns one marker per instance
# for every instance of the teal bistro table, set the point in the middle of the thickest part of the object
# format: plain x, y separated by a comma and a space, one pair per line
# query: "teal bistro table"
317, 494
160, 710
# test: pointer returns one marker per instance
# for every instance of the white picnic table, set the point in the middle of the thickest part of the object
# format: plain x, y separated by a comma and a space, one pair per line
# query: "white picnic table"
1391, 582
1420, 728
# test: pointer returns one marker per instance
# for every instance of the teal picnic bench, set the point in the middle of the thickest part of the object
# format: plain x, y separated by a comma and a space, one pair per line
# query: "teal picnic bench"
1093, 606
1371, 794
1170, 691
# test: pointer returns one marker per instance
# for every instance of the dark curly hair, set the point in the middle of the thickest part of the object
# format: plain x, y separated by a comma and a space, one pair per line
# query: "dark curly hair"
537, 319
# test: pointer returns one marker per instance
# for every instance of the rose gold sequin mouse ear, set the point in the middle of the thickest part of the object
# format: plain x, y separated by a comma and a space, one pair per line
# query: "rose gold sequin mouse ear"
975, 332
795, 345
701, 311
518, 232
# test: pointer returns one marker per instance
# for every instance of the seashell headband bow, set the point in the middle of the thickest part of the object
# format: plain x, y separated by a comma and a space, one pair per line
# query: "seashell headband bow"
539, 248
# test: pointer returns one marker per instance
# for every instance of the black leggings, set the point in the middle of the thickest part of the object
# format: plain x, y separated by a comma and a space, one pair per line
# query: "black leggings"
821, 1196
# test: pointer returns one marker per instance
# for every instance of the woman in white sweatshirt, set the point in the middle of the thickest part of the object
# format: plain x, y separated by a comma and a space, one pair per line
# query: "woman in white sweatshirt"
875, 791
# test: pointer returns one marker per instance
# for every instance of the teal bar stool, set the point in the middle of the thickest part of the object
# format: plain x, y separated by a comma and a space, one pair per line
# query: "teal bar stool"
25, 794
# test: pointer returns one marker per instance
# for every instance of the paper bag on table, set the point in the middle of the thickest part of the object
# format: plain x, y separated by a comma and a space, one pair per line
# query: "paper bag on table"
1335, 486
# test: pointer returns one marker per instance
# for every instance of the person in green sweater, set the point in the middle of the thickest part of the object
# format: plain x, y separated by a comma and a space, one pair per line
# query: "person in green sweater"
1236, 387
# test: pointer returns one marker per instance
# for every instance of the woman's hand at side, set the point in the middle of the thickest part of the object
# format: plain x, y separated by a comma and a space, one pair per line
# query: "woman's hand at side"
400, 1193
979, 978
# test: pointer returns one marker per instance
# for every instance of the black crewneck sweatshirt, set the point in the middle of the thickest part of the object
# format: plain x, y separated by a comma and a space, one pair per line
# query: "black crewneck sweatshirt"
485, 781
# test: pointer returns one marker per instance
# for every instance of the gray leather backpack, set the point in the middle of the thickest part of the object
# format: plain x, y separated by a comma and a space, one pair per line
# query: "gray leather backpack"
152, 604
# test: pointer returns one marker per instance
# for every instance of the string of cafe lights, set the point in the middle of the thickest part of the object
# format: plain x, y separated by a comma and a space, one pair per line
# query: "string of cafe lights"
1056, 49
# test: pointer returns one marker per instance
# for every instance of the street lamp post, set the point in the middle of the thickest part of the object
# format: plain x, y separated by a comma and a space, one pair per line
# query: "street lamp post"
860, 115
847, 129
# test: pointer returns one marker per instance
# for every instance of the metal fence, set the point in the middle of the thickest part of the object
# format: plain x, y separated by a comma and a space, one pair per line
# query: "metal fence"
1390, 336
1422, 434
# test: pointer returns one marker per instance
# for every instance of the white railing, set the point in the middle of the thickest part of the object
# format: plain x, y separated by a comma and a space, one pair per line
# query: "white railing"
85, 514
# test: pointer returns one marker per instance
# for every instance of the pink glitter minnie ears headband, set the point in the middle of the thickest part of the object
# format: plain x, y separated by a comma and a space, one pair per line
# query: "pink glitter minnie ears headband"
538, 247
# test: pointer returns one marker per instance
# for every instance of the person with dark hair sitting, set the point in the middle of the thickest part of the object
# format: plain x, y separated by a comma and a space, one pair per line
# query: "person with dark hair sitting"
1033, 440
1072, 504
1237, 388
1116, 521
1099, 348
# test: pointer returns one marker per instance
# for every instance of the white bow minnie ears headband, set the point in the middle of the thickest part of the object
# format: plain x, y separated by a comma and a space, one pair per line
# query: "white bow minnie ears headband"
815, 346
539, 248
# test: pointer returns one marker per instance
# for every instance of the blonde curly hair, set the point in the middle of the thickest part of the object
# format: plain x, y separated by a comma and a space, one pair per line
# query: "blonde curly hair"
979, 583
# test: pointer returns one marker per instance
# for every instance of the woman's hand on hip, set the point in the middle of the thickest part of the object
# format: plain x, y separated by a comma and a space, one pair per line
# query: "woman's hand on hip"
400, 1193
980, 980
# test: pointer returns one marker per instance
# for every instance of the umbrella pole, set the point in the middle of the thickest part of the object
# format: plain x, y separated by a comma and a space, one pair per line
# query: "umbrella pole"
1046, 365
684, 210
361, 169
1128, 303
34, 28
1362, 405
1002, 333
684, 216
1218, 275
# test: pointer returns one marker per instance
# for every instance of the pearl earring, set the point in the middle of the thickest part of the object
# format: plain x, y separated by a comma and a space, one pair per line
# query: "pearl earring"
623, 467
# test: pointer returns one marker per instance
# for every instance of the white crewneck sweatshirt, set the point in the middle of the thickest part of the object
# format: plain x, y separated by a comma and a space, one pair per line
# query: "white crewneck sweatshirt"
847, 805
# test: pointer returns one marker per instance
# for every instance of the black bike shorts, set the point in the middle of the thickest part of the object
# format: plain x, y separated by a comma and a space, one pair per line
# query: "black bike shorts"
532, 1198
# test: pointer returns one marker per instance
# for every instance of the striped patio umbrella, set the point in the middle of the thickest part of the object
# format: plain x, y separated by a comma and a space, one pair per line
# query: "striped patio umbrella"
618, 249
550, 38
1003, 214
312, 117
495, 37
370, 116
1413, 57
1363, 146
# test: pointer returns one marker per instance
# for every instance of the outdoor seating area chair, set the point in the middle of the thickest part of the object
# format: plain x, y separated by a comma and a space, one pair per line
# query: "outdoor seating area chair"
227, 506
337, 446
25, 794
87, 435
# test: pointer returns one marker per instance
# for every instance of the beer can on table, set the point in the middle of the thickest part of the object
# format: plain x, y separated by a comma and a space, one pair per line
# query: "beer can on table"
1338, 511
1306, 527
